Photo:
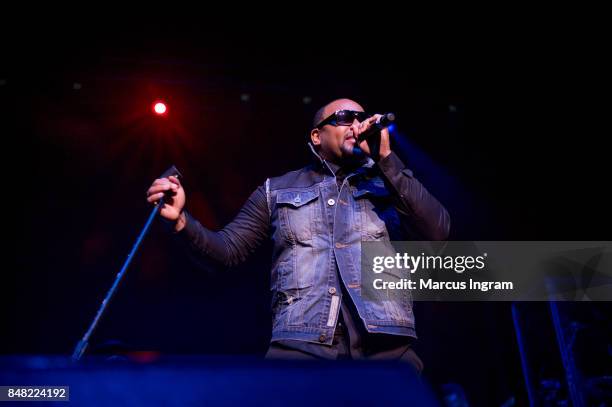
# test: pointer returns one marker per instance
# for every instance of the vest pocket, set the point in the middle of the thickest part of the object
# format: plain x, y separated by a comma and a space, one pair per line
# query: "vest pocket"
371, 215
296, 211
296, 282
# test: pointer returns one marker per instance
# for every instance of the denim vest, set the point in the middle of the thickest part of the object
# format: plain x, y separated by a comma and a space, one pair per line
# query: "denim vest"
317, 226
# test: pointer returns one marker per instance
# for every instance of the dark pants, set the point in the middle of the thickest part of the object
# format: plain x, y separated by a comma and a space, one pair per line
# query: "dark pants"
278, 351
350, 342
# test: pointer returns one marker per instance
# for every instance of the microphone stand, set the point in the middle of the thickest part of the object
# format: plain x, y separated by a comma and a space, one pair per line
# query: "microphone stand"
81, 347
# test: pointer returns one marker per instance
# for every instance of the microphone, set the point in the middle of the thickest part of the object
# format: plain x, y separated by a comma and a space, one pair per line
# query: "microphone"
383, 121
175, 173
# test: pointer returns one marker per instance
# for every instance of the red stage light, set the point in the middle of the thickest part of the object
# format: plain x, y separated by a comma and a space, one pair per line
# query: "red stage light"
160, 108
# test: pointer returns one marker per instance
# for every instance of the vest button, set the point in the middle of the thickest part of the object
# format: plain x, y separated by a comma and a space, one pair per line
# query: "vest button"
322, 338
332, 290
331, 202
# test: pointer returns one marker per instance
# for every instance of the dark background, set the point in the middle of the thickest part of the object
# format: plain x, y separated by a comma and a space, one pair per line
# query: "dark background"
501, 129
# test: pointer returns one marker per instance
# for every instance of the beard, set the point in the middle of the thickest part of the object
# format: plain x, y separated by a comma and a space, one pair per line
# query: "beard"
352, 155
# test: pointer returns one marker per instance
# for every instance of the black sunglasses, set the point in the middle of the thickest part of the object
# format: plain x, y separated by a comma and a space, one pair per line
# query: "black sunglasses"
343, 118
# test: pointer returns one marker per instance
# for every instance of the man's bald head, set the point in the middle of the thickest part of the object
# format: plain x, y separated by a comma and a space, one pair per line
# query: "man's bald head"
331, 107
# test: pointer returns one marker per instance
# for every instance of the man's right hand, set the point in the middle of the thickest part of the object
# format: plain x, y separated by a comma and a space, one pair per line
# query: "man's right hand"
174, 201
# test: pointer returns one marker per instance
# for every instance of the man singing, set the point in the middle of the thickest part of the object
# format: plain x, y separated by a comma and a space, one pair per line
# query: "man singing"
317, 217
